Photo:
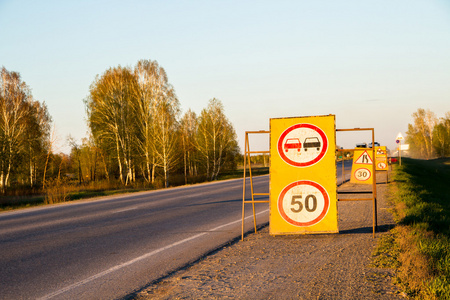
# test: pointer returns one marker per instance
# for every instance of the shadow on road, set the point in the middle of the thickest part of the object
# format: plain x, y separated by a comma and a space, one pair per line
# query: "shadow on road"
380, 228
225, 201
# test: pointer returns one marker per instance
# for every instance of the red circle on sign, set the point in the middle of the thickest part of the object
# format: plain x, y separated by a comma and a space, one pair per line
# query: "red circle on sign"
308, 163
381, 165
365, 177
304, 182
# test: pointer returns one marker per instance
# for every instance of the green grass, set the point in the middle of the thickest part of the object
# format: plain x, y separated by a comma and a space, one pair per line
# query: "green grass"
387, 251
12, 203
420, 243
426, 193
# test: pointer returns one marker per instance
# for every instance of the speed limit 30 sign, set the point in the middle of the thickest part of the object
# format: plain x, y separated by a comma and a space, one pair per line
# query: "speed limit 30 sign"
362, 174
303, 175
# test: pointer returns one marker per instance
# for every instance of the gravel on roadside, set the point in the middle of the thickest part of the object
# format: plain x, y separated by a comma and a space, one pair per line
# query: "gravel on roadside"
323, 266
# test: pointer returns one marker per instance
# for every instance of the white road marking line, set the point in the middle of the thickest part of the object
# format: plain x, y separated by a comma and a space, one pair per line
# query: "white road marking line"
125, 209
147, 255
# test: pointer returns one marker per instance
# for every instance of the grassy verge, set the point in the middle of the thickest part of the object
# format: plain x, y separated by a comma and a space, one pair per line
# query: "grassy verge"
256, 171
60, 194
56, 193
419, 247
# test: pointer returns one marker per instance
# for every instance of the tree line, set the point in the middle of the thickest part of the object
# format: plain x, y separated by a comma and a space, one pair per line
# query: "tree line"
134, 117
24, 133
429, 136
137, 133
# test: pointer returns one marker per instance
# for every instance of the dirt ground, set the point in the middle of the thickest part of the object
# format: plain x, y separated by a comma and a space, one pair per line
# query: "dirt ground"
326, 266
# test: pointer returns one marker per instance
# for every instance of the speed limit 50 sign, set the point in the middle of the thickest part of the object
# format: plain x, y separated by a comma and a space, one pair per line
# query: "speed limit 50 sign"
303, 203
303, 175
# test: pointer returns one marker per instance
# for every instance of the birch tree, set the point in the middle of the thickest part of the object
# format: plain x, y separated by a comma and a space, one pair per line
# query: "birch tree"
111, 116
441, 136
150, 78
188, 132
420, 134
144, 72
166, 110
215, 138
14, 111
157, 111
37, 138
24, 130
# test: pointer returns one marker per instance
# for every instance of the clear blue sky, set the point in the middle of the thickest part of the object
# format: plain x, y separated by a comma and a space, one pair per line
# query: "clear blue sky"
371, 63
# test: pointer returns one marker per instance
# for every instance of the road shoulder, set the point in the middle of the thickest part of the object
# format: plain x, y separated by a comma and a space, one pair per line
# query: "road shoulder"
327, 266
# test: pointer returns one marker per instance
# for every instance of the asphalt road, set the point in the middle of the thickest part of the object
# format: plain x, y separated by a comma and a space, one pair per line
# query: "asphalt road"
111, 247
106, 249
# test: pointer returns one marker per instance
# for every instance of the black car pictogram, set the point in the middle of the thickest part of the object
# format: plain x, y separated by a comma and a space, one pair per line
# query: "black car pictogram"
311, 142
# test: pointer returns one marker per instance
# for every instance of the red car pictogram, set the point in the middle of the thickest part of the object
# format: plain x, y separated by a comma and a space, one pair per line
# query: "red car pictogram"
292, 144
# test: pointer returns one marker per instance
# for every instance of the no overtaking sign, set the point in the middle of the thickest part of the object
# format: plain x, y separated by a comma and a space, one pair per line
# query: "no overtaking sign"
302, 145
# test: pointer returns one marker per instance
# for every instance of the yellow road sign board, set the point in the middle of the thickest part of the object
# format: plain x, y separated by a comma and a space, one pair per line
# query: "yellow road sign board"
381, 158
362, 167
303, 175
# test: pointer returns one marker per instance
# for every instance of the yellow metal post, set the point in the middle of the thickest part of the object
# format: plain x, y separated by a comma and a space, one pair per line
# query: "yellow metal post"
247, 159
243, 190
374, 182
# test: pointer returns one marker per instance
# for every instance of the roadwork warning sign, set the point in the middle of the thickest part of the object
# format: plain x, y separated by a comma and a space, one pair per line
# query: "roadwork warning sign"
303, 175
363, 158
362, 168
381, 158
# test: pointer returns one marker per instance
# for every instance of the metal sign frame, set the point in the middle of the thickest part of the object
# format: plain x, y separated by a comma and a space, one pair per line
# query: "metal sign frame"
387, 167
374, 181
247, 153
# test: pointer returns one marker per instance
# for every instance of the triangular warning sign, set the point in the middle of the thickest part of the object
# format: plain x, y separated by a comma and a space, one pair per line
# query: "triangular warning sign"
364, 159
